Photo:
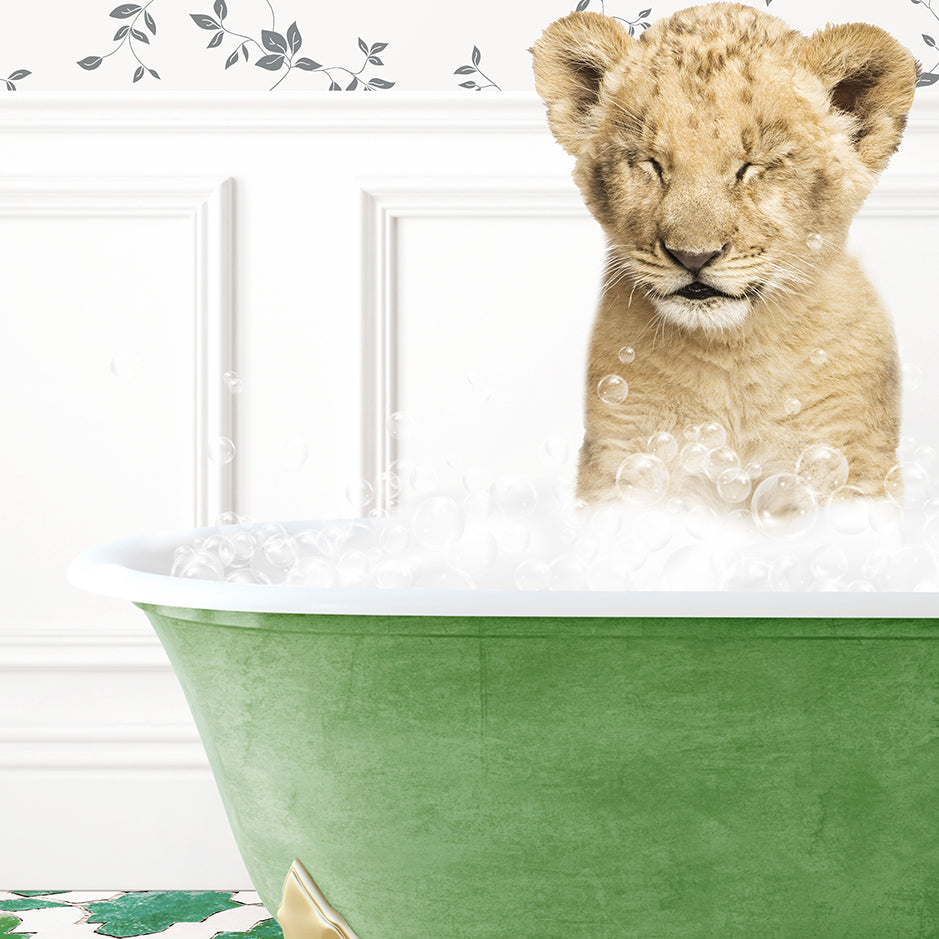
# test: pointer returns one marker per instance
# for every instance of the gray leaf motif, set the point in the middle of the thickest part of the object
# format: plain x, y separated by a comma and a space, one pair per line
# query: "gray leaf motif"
307, 65
90, 62
150, 21
927, 78
293, 38
18, 74
232, 59
125, 10
380, 83
138, 74
273, 42
204, 22
140, 36
216, 40
221, 10
271, 62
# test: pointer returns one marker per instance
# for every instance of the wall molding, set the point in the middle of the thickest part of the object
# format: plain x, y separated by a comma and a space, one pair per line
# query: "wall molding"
207, 205
385, 202
304, 112
89, 748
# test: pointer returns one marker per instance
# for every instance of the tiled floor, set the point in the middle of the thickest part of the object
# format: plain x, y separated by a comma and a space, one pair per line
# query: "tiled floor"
173, 914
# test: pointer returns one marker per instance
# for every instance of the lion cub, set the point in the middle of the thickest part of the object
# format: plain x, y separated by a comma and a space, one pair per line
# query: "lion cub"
725, 155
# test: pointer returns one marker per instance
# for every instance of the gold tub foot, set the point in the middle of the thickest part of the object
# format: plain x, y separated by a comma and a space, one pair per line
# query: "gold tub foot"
304, 912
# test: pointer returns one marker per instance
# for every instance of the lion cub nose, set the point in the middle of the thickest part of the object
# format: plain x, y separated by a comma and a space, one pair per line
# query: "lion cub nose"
692, 260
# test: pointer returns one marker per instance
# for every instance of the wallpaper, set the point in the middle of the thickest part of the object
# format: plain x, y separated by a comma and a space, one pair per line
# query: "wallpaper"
325, 45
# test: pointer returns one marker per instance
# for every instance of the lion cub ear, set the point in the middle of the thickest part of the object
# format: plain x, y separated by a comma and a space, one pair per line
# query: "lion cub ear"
870, 76
570, 61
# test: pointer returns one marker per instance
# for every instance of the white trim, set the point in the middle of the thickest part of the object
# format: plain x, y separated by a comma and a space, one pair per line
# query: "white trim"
207, 205
305, 112
96, 747
82, 652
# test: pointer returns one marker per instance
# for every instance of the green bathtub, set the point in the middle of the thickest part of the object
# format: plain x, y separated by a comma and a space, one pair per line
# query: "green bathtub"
761, 765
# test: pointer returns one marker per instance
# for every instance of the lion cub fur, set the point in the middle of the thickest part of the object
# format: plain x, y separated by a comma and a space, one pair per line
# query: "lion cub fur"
722, 133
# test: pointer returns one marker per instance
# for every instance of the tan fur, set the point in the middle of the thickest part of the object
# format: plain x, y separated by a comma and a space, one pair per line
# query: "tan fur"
702, 94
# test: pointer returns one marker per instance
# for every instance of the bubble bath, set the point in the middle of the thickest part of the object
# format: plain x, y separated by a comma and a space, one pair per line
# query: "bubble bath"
802, 530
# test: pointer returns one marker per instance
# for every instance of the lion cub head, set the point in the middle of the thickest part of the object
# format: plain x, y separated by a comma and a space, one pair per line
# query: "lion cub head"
710, 147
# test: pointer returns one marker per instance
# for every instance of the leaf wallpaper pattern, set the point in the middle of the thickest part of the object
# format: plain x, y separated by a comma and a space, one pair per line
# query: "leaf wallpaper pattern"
141, 44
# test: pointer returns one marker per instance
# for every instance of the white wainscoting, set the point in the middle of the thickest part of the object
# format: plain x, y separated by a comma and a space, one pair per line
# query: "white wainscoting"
349, 258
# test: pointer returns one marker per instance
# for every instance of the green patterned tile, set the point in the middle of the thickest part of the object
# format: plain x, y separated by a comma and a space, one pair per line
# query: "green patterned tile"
28, 903
140, 914
7, 922
269, 929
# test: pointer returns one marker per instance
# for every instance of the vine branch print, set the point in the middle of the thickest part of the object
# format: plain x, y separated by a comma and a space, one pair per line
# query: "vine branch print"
126, 36
278, 50
930, 77
474, 69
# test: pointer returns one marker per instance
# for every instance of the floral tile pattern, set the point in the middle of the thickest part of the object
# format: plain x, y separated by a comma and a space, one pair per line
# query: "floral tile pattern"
172, 914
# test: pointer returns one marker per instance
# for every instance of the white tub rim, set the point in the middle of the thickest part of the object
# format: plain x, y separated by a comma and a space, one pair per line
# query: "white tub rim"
133, 569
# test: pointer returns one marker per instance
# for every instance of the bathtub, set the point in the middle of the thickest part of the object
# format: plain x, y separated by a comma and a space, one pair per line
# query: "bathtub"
404, 763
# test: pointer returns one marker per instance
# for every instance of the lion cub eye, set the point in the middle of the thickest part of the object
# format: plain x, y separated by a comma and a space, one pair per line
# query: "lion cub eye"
656, 167
744, 172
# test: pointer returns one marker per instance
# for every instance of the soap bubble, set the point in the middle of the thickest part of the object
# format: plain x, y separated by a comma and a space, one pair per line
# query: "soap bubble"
437, 521
818, 357
823, 468
201, 565
792, 405
567, 572
532, 574
908, 485
227, 520
399, 425
746, 573
514, 495
754, 470
712, 434
925, 455
733, 485
692, 432
360, 494
815, 241
719, 461
612, 389
693, 457
641, 479
293, 452
233, 382
280, 550
626, 355
353, 568
221, 547
663, 445
242, 547
394, 537
221, 450
783, 506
